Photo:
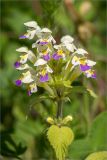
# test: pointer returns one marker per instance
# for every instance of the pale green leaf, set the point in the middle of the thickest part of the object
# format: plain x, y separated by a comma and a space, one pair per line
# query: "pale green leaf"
60, 138
67, 84
97, 156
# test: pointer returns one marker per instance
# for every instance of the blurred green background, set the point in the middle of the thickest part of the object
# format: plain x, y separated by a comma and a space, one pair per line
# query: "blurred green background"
23, 119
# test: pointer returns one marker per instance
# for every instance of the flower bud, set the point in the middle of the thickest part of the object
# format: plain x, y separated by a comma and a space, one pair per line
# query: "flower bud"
67, 119
50, 120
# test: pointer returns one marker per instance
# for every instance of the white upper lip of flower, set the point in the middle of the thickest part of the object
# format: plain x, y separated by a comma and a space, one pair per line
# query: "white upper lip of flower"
32, 24
31, 56
23, 67
40, 62
65, 45
91, 63
22, 49
57, 46
69, 46
81, 51
46, 30
27, 78
67, 39
51, 39
49, 69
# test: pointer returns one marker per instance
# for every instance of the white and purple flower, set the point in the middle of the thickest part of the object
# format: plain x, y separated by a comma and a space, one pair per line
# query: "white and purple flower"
46, 54
58, 54
44, 74
33, 30
27, 55
44, 69
32, 88
84, 64
90, 74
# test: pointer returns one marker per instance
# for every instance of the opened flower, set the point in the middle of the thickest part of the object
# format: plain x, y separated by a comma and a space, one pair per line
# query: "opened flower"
44, 69
32, 89
83, 63
46, 54
90, 73
26, 55
33, 30
58, 54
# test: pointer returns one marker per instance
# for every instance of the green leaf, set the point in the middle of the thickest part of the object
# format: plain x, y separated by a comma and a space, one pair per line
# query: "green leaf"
82, 89
48, 89
10, 147
67, 84
97, 156
75, 74
60, 138
98, 133
95, 141
91, 92
78, 89
79, 149
3, 42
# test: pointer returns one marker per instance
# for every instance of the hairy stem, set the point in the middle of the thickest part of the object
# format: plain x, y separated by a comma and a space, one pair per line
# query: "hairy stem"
59, 108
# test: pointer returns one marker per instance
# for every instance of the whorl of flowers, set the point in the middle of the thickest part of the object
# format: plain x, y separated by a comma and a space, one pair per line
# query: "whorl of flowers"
48, 62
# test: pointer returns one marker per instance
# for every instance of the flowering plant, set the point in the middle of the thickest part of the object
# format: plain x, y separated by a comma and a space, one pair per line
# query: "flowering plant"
53, 67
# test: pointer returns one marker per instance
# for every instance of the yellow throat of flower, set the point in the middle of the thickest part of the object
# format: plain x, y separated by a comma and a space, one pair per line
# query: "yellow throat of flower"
45, 40
44, 52
60, 52
83, 62
43, 72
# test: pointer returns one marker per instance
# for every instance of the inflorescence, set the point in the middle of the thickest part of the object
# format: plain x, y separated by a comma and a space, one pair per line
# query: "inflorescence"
40, 65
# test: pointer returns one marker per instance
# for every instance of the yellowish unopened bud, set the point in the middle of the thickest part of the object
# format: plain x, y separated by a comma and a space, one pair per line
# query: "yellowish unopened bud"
50, 120
67, 119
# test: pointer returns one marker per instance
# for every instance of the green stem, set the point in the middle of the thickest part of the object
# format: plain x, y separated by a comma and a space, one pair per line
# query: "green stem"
59, 108
86, 111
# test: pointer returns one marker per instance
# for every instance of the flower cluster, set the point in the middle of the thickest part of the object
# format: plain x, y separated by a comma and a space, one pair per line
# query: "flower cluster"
48, 61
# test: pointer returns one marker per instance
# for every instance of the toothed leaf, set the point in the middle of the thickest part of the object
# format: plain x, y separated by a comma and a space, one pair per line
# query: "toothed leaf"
60, 138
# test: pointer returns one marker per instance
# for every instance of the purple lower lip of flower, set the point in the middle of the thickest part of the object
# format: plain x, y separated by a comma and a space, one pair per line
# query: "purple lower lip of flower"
17, 64
56, 56
18, 82
46, 57
29, 93
84, 67
44, 78
94, 75
22, 37
43, 43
